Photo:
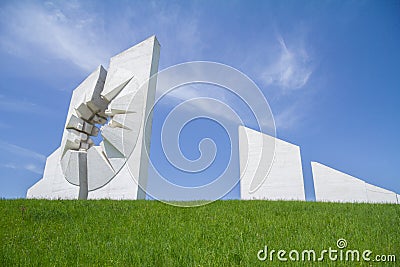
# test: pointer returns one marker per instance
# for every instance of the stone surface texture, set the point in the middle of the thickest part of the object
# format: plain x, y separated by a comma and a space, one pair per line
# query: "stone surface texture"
335, 186
283, 180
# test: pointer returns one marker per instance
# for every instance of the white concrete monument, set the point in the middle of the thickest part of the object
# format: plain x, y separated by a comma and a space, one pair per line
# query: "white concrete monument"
283, 180
117, 105
120, 100
335, 186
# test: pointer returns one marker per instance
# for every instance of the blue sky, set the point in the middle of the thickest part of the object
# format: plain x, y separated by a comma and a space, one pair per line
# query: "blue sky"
329, 69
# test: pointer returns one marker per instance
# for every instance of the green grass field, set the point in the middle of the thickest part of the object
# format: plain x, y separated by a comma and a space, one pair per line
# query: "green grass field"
224, 233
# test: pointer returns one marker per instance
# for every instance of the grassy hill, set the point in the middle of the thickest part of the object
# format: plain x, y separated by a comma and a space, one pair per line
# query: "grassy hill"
224, 233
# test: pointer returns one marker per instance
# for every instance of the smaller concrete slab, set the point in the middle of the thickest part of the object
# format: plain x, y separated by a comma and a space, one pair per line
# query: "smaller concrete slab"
335, 186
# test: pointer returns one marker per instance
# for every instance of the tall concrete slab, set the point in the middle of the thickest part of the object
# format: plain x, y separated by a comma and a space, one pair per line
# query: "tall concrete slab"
283, 180
137, 65
335, 186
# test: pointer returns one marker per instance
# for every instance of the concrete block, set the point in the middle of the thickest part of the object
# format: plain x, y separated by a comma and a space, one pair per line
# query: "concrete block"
72, 140
87, 128
84, 112
283, 180
84, 146
95, 131
74, 134
75, 123
98, 119
335, 186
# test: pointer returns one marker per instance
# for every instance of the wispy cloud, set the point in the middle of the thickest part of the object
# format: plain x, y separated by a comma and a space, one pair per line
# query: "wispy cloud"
80, 33
284, 74
34, 168
20, 151
62, 30
17, 157
221, 105
8, 104
291, 69
73, 31
195, 94
29, 167
288, 117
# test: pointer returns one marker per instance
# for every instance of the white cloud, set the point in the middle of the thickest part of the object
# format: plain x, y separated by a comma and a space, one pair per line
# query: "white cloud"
9, 165
61, 30
21, 151
284, 73
12, 105
73, 32
20, 158
195, 93
197, 104
290, 70
35, 168
76, 32
288, 118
